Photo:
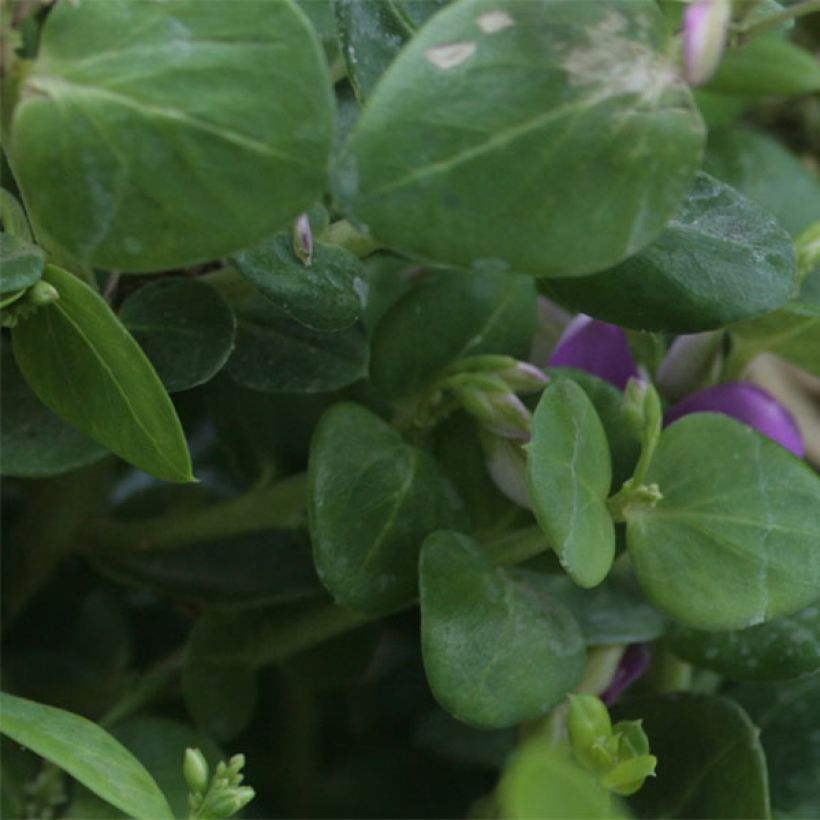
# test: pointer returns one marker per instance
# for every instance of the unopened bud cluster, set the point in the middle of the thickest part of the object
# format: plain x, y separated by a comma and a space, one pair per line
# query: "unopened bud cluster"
224, 795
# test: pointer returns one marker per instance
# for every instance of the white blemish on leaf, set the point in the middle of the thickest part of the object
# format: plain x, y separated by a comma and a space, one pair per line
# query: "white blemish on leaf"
451, 55
494, 21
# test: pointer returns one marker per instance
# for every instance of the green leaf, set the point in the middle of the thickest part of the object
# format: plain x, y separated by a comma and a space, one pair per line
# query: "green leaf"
326, 295
368, 560
275, 354
569, 475
497, 648
767, 66
556, 163
150, 135
787, 716
710, 761
84, 365
722, 258
766, 172
733, 541
421, 333
541, 782
13, 216
21, 263
33, 441
373, 32
185, 328
778, 650
87, 752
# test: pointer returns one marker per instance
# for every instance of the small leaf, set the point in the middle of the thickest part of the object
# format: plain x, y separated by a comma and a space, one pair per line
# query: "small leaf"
83, 365
557, 163
325, 295
569, 473
150, 135
498, 649
368, 561
721, 258
185, 328
87, 752
710, 761
275, 354
421, 333
733, 541
21, 263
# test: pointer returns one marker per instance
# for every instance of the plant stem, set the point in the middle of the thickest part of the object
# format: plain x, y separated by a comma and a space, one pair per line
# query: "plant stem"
777, 20
280, 505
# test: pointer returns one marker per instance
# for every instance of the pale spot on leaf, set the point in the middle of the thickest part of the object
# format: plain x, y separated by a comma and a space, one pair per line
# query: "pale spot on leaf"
494, 21
451, 55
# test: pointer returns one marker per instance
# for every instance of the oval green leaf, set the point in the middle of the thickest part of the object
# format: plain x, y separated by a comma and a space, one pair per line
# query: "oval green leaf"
720, 259
733, 541
556, 163
710, 761
275, 354
325, 295
35, 443
87, 752
185, 328
778, 650
151, 135
497, 648
569, 474
21, 263
421, 333
372, 501
84, 366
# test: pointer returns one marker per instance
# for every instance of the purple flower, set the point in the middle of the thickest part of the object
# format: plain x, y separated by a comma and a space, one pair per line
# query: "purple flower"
705, 26
634, 662
597, 347
746, 403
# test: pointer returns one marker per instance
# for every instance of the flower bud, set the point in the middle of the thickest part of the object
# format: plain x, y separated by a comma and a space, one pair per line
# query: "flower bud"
507, 465
705, 28
42, 293
590, 732
195, 770
634, 662
230, 801
688, 362
627, 777
523, 377
303, 239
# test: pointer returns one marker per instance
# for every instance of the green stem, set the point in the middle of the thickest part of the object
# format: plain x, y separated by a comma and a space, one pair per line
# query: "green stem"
342, 233
777, 20
281, 505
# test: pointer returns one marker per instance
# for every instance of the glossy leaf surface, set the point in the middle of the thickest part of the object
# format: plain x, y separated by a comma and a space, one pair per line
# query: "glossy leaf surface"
498, 649
325, 295
423, 332
21, 263
569, 475
169, 127
368, 559
733, 541
185, 328
87, 752
85, 366
720, 259
501, 135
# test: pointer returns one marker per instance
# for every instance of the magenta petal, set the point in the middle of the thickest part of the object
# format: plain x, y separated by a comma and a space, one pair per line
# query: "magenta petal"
749, 404
634, 662
597, 347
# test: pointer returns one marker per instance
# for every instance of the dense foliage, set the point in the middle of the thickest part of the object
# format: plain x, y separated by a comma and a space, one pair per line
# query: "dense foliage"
412, 406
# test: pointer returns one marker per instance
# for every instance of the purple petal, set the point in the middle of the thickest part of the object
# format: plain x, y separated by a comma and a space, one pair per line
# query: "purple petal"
749, 404
634, 663
705, 25
597, 347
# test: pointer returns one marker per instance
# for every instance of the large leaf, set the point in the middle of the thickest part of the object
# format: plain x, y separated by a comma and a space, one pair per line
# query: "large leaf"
422, 332
373, 500
569, 474
787, 716
720, 259
85, 366
710, 761
21, 263
276, 354
511, 136
33, 441
498, 649
185, 328
733, 541
87, 753
325, 295
151, 135
781, 649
